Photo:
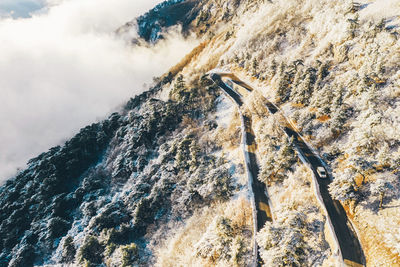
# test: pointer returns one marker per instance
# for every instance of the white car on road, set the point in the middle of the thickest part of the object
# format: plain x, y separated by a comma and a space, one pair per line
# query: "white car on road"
321, 172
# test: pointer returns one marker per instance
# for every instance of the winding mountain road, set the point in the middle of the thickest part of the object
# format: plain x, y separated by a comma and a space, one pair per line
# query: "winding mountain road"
258, 192
349, 247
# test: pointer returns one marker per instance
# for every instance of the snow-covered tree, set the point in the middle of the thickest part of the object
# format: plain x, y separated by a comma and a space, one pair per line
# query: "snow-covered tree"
222, 243
322, 100
272, 69
298, 76
360, 165
380, 187
302, 93
384, 156
277, 161
283, 88
338, 119
283, 243
343, 187
254, 66
179, 91
194, 154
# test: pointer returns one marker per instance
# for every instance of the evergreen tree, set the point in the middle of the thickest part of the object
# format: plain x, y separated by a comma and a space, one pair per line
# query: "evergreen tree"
255, 67
322, 101
303, 90
180, 90
380, 188
283, 90
180, 83
69, 250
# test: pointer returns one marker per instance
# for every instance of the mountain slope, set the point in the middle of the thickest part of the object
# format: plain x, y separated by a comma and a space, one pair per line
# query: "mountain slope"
162, 181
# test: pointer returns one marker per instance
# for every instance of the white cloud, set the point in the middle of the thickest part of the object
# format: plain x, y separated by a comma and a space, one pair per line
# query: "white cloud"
64, 68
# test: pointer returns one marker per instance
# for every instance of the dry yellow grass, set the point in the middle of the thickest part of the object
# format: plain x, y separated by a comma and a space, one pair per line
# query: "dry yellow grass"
193, 55
372, 238
297, 105
323, 118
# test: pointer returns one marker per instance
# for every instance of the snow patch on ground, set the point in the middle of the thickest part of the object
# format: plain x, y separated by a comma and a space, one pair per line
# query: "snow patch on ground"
382, 9
225, 111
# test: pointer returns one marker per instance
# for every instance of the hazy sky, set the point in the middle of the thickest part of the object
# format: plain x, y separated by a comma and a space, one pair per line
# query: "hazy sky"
63, 68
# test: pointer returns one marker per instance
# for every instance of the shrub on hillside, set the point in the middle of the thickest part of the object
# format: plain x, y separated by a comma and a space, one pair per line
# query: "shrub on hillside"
91, 252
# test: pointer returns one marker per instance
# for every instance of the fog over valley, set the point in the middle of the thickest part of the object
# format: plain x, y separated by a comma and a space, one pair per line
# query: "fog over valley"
65, 67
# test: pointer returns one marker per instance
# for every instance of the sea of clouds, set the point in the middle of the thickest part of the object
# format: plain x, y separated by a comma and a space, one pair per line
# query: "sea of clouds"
62, 67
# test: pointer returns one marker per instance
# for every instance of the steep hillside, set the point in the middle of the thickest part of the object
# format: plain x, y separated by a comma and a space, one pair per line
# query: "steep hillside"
163, 181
